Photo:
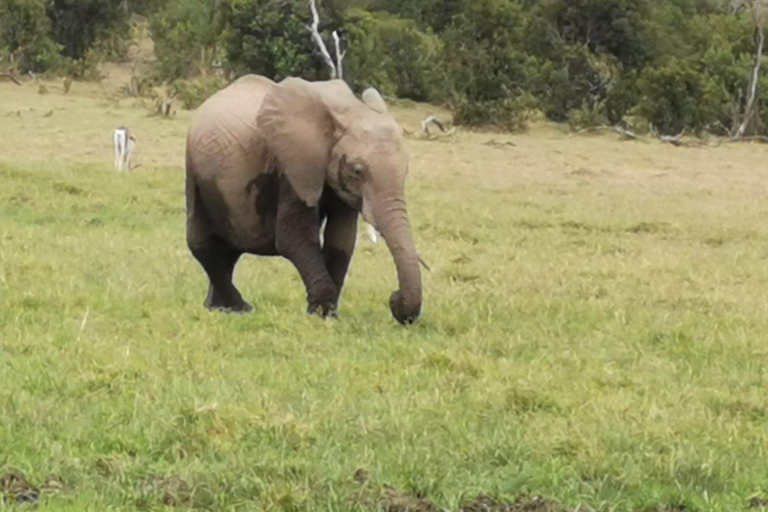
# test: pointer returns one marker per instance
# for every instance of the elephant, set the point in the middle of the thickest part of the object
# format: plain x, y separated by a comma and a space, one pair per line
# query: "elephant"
268, 162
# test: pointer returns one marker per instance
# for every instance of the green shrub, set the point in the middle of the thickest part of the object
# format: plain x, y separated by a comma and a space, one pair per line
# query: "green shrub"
486, 72
192, 93
586, 117
270, 38
77, 25
678, 96
576, 79
603, 27
511, 113
187, 36
428, 14
25, 33
390, 54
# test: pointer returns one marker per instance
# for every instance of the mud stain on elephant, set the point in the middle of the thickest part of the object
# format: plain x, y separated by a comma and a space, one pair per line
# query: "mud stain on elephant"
266, 189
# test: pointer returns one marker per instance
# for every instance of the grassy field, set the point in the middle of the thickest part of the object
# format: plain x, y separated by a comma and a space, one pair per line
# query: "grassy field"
595, 331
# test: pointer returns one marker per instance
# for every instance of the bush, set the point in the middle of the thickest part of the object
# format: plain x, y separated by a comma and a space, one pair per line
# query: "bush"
25, 32
585, 117
678, 96
79, 24
192, 93
511, 113
603, 27
270, 38
576, 79
428, 14
187, 36
390, 54
486, 72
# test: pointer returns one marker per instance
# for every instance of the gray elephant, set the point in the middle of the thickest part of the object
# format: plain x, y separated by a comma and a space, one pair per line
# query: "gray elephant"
268, 162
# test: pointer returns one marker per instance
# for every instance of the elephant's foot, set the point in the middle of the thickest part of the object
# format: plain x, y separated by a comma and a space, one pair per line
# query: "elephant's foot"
228, 303
323, 300
323, 309
240, 308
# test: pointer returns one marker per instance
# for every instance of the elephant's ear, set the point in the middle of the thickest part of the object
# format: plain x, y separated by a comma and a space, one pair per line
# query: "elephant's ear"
373, 99
298, 129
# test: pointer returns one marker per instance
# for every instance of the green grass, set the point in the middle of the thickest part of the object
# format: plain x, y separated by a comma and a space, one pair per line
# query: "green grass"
598, 337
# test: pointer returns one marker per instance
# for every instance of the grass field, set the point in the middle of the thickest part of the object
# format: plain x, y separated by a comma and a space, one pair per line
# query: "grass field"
595, 331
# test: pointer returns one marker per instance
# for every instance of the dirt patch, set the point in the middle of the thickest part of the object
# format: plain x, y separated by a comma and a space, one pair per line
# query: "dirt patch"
484, 503
388, 499
385, 498
393, 501
173, 491
15, 488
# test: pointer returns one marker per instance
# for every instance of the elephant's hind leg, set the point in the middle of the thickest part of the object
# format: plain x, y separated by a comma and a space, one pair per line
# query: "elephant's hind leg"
218, 260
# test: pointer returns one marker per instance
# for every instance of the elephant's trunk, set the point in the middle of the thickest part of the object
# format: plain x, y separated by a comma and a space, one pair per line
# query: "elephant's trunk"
391, 219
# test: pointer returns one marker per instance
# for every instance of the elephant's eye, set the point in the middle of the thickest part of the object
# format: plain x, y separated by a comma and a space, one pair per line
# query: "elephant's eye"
358, 170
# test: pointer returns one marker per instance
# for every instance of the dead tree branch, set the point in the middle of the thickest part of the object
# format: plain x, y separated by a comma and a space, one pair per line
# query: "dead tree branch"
625, 132
758, 138
499, 144
675, 140
430, 119
10, 77
319, 40
339, 55
750, 110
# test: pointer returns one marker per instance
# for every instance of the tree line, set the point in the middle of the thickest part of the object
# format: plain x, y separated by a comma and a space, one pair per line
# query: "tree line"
672, 65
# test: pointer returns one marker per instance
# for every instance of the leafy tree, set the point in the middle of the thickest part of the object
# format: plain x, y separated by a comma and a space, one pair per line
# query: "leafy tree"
391, 54
576, 79
78, 24
24, 32
144, 7
487, 72
614, 27
269, 37
677, 96
589, 49
187, 36
432, 14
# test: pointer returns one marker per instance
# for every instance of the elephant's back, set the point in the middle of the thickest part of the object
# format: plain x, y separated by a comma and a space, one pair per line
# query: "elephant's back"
224, 127
236, 104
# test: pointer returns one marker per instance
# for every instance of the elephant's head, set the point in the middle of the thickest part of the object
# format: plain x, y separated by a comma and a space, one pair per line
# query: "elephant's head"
321, 134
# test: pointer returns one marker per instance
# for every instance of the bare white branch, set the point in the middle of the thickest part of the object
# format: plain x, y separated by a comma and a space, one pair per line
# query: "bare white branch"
750, 110
319, 40
675, 140
430, 119
339, 55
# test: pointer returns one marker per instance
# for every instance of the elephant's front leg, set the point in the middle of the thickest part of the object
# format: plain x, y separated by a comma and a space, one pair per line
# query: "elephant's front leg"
339, 237
298, 239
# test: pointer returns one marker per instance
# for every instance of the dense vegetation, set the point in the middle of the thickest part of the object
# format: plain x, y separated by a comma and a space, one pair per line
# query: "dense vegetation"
676, 64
